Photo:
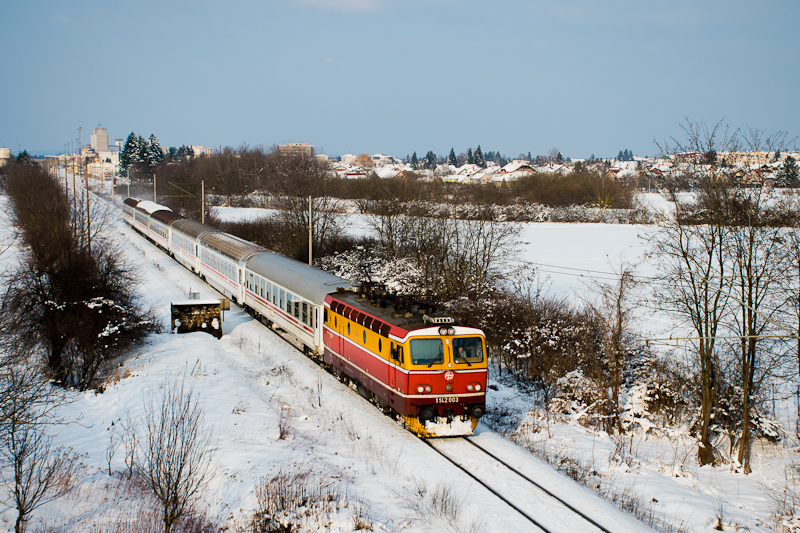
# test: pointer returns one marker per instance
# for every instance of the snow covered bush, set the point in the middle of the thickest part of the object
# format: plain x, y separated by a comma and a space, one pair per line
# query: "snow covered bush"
583, 399
297, 498
659, 393
364, 264
536, 338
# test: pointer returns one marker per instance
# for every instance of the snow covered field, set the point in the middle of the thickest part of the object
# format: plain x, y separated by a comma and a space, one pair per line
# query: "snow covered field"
257, 388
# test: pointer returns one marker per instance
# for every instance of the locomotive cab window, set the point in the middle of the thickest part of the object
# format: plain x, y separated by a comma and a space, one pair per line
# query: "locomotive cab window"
468, 350
427, 351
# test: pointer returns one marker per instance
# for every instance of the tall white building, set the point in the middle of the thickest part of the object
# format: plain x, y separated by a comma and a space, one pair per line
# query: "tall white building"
99, 140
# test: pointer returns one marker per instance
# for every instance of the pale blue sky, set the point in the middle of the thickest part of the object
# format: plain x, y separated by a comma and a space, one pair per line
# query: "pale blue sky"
397, 76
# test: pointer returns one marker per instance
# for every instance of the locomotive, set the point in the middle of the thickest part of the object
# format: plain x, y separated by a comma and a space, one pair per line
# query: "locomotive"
415, 363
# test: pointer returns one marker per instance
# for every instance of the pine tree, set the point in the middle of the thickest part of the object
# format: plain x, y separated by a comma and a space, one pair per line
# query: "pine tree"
24, 158
142, 153
559, 158
620, 156
414, 161
529, 157
452, 159
154, 152
128, 151
479, 159
789, 173
470, 157
430, 160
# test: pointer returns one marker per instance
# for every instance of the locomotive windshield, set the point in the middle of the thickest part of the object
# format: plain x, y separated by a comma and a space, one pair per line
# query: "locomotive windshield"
468, 350
427, 351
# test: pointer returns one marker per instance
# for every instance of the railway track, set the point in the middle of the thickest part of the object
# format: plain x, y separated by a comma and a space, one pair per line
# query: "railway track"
545, 510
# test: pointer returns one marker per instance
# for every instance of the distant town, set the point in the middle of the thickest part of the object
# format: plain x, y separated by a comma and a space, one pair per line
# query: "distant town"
102, 159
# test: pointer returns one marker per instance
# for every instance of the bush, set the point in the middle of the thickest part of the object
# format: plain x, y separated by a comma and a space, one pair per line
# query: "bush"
69, 298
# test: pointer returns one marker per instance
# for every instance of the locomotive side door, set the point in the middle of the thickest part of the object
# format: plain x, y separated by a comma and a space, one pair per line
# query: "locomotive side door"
396, 376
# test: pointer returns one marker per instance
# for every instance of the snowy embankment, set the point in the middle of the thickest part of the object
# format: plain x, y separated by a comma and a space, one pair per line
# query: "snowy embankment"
272, 410
656, 467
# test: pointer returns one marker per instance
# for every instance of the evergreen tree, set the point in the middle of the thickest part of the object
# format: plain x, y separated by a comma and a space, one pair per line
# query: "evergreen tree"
529, 157
154, 152
620, 156
430, 160
126, 157
24, 158
591, 158
789, 173
142, 155
470, 157
559, 158
414, 161
184, 152
479, 159
452, 159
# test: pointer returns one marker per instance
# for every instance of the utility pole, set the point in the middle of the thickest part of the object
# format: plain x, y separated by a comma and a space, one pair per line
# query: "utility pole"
88, 212
310, 229
202, 202
154, 188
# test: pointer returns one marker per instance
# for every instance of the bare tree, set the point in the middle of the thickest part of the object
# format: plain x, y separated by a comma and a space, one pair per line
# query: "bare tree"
759, 267
174, 455
613, 309
38, 472
691, 253
693, 284
455, 257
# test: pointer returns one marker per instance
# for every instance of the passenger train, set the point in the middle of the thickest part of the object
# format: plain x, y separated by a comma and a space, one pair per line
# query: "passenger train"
418, 365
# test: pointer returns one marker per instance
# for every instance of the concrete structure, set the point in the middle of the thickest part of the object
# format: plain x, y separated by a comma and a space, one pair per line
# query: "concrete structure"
5, 156
99, 140
199, 150
301, 149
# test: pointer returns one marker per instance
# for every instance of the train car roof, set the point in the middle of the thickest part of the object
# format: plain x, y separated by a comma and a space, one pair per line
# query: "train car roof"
306, 281
131, 201
165, 217
151, 207
230, 245
192, 228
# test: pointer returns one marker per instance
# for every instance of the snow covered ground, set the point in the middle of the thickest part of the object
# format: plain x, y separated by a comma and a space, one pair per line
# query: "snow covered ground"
257, 388
658, 469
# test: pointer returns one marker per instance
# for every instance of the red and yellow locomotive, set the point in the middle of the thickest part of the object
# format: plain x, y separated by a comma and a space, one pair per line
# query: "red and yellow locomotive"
409, 359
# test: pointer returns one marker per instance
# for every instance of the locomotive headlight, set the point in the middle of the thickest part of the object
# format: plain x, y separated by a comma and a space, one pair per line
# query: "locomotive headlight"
470, 387
420, 389
477, 386
428, 388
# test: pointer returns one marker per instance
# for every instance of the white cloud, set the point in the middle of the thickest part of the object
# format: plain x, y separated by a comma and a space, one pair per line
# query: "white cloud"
343, 5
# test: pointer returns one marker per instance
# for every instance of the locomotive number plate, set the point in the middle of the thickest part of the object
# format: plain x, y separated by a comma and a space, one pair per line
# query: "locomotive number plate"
447, 399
